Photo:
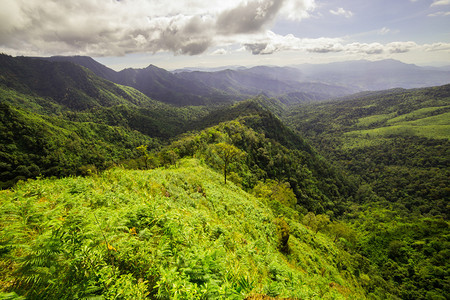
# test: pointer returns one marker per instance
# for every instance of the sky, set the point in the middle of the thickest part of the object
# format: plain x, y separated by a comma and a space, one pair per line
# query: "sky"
198, 33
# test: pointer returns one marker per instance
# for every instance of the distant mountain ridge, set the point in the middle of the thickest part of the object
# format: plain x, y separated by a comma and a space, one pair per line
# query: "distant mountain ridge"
206, 87
364, 75
291, 84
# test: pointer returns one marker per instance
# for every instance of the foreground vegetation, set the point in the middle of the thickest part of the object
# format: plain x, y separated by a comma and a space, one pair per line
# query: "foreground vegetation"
169, 233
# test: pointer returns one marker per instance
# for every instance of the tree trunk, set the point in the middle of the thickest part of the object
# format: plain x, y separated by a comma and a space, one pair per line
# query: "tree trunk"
225, 172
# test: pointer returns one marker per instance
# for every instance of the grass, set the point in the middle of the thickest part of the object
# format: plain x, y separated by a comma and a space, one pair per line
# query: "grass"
361, 141
417, 114
367, 121
173, 232
439, 120
435, 127
432, 131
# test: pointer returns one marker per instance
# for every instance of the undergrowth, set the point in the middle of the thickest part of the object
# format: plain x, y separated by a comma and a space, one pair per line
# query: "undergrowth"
167, 233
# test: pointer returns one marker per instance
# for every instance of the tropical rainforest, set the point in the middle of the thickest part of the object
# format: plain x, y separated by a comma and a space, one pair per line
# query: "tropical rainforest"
107, 193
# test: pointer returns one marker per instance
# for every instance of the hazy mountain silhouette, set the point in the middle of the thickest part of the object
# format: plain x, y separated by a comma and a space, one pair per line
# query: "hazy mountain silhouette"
291, 84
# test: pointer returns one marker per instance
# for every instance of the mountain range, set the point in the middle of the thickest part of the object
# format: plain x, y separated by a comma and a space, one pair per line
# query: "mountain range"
291, 84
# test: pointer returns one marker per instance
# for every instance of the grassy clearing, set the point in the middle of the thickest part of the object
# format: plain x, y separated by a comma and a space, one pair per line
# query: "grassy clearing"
417, 114
436, 127
367, 121
440, 120
362, 141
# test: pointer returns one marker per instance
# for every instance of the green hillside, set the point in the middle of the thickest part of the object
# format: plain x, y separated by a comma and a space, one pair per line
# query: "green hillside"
397, 141
396, 145
33, 145
64, 84
59, 119
270, 151
168, 233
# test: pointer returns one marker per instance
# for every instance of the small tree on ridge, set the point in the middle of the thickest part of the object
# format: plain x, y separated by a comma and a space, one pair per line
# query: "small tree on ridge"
228, 153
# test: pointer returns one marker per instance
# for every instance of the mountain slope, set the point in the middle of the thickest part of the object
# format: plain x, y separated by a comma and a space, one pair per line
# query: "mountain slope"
33, 145
396, 144
162, 85
67, 84
164, 233
88, 62
271, 152
59, 119
396, 140
237, 204
270, 81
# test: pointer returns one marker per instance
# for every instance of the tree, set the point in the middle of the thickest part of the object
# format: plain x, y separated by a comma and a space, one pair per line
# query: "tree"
315, 222
145, 154
228, 153
275, 190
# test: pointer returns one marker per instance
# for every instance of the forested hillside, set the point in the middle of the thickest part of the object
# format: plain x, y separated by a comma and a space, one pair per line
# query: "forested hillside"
397, 141
59, 119
396, 144
109, 194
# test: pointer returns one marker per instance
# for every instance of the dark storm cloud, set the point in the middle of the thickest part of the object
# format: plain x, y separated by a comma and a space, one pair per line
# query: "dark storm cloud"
256, 48
248, 17
182, 36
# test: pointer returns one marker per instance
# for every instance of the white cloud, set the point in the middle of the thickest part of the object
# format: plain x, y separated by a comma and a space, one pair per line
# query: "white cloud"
439, 14
341, 12
436, 47
400, 47
383, 31
440, 2
220, 51
271, 43
298, 9
365, 48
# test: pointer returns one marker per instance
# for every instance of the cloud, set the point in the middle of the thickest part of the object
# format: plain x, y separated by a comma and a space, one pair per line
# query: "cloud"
383, 31
436, 47
258, 48
439, 14
323, 45
372, 48
400, 47
220, 51
112, 27
440, 2
270, 43
184, 27
248, 17
341, 12
298, 9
